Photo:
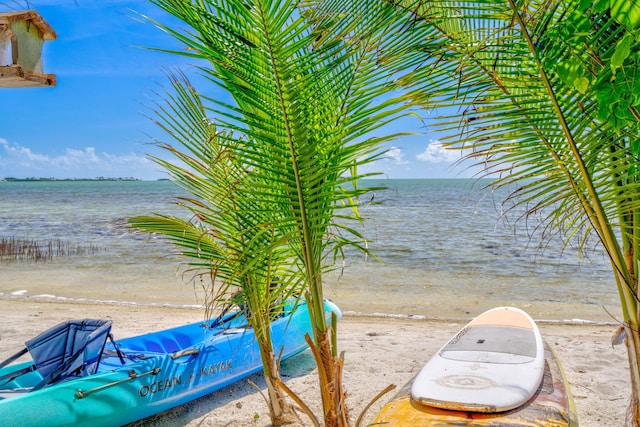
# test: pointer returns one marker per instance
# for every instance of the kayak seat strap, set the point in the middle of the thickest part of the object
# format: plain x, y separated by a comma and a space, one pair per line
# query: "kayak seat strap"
13, 358
118, 351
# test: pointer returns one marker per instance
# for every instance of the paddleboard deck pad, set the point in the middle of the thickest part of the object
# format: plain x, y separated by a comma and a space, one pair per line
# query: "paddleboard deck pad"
494, 364
550, 406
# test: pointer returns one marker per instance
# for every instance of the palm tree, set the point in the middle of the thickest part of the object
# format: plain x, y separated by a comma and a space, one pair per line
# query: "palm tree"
306, 90
547, 99
215, 235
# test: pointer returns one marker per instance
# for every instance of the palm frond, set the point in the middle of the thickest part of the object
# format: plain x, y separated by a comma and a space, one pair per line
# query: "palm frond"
306, 98
525, 77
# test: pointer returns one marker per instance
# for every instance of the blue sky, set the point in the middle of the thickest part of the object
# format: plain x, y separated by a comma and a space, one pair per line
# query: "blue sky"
94, 123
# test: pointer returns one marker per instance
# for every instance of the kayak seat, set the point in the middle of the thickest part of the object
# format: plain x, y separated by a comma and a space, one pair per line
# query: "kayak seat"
69, 350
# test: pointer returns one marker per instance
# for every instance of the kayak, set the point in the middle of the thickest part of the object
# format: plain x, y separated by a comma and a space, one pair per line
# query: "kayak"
137, 377
496, 371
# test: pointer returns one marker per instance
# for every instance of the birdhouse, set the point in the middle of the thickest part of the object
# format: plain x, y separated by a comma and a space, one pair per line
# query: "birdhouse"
22, 35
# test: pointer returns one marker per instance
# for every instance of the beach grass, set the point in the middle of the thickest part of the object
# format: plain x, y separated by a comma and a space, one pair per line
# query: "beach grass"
14, 249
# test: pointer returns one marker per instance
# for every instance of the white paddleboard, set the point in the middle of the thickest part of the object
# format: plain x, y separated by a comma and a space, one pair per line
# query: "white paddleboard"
495, 363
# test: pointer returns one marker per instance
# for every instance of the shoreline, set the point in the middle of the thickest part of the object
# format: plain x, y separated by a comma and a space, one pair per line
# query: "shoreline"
378, 351
375, 316
370, 289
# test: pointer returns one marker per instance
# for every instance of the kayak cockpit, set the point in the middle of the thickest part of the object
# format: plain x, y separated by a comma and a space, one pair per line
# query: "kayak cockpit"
176, 343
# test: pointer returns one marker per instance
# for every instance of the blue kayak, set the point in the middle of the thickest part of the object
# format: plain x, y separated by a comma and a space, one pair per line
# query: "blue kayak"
96, 382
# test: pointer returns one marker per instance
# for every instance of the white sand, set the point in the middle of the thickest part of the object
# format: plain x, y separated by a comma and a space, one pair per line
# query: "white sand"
378, 352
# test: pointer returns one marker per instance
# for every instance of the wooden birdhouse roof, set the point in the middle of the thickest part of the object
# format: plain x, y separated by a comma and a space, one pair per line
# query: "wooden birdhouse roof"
48, 33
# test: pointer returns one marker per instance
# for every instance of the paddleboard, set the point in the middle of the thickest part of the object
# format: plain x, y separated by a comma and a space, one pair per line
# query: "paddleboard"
551, 406
499, 353
494, 364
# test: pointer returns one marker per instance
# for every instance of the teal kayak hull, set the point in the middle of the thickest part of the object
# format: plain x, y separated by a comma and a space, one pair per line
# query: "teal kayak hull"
162, 370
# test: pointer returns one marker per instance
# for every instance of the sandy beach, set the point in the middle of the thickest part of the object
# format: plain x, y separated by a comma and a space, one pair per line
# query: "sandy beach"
378, 352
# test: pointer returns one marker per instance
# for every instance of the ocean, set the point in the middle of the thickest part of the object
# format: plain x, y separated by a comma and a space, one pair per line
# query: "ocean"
448, 249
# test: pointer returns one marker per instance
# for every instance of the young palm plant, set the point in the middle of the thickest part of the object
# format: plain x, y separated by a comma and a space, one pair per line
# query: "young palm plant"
547, 94
222, 220
302, 93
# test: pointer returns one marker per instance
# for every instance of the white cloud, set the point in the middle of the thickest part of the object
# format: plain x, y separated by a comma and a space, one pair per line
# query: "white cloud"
22, 162
14, 152
437, 153
396, 156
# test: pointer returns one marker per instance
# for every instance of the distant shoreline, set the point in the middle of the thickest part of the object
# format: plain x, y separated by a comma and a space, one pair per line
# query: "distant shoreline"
10, 179
33, 179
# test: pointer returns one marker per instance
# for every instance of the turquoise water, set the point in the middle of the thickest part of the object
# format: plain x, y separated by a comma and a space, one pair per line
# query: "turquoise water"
447, 250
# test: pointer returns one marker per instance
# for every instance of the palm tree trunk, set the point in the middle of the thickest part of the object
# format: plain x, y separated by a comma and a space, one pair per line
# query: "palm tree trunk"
334, 405
633, 350
633, 337
280, 411
328, 397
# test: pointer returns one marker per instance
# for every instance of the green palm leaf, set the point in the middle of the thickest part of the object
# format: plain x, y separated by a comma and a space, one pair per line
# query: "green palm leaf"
303, 90
542, 91
520, 117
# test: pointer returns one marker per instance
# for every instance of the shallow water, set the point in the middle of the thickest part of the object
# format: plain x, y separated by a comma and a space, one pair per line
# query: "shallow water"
446, 252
